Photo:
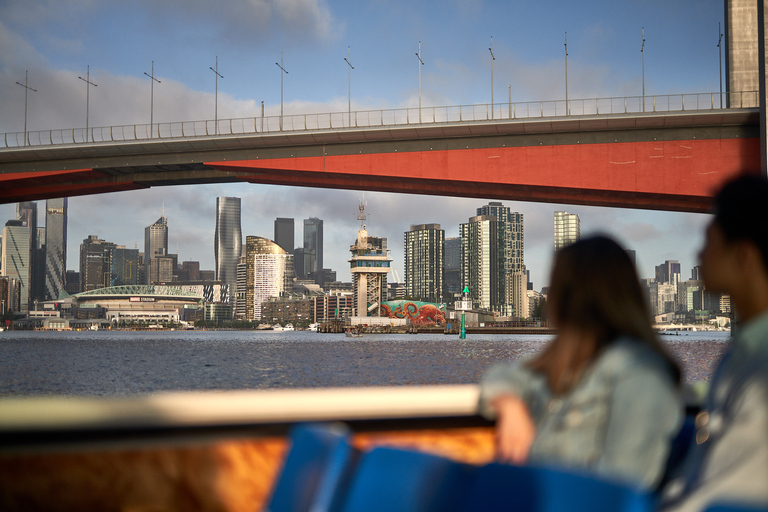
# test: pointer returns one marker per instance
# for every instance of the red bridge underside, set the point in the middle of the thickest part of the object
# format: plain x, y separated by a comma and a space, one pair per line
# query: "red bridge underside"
679, 175
667, 175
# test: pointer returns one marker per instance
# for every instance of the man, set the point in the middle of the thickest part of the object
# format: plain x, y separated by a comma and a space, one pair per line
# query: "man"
729, 463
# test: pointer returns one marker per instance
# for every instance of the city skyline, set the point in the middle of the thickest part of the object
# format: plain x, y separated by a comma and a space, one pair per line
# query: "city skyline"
340, 242
57, 42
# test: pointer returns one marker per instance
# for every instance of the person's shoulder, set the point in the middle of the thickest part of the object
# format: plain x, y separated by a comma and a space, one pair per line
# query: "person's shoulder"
627, 355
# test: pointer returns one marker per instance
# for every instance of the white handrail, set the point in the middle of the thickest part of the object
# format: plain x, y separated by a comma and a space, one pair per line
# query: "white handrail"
394, 117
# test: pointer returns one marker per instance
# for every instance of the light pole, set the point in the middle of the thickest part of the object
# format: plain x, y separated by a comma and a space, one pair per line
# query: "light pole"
567, 105
350, 67
88, 85
421, 63
152, 99
26, 89
642, 52
282, 71
216, 94
720, 53
492, 59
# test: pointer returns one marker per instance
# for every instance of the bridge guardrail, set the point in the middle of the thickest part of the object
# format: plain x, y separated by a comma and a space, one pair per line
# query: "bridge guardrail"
409, 116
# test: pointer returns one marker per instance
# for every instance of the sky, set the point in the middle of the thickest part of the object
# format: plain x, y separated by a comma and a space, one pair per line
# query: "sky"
115, 42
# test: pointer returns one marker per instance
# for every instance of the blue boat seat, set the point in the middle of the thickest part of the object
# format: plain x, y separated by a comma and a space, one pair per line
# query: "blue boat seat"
392, 479
542, 489
317, 462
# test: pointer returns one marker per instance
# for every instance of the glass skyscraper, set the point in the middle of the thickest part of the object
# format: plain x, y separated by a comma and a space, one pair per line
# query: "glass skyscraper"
15, 258
284, 234
55, 247
313, 246
227, 241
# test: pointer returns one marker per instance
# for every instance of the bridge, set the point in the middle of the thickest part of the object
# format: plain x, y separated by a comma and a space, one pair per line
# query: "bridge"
656, 152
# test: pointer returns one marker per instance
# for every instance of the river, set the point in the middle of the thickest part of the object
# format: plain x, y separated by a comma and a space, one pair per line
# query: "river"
129, 363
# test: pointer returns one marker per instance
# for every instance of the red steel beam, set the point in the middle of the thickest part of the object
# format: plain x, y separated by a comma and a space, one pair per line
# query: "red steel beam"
679, 175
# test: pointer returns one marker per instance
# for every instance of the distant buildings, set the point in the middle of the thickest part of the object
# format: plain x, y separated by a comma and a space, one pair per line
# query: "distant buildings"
95, 263
492, 260
16, 261
155, 245
313, 247
567, 229
227, 240
452, 273
55, 247
269, 273
424, 262
284, 234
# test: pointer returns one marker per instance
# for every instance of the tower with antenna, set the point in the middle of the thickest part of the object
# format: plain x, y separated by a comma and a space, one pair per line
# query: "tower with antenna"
369, 265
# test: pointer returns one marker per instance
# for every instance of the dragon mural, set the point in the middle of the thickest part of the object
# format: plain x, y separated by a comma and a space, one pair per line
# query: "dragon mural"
419, 313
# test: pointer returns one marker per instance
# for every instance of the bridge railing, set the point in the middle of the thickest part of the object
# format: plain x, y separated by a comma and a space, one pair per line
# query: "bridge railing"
384, 118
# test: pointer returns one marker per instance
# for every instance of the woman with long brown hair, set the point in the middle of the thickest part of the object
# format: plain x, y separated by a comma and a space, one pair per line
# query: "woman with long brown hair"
603, 395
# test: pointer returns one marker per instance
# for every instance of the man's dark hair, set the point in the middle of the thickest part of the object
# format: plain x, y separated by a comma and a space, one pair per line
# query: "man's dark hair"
740, 210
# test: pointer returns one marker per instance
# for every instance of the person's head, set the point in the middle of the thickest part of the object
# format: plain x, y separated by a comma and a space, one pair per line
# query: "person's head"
737, 229
595, 297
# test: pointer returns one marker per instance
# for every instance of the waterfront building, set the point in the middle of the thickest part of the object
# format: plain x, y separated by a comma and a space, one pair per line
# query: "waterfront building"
567, 229
452, 272
95, 263
217, 312
334, 305
313, 247
369, 266
9, 294
269, 273
492, 248
482, 262
155, 244
284, 234
55, 247
424, 248
298, 311
15, 260
228, 240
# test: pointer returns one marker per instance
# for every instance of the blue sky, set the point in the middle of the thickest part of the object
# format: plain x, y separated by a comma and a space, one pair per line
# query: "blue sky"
54, 40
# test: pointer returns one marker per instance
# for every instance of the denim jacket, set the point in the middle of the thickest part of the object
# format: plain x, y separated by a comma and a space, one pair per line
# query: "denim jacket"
729, 460
618, 421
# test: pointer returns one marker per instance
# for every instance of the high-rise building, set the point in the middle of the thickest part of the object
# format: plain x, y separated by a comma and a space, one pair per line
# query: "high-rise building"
668, 272
26, 211
269, 273
242, 276
55, 247
313, 246
192, 268
124, 270
155, 244
369, 265
482, 262
284, 234
452, 273
15, 258
567, 229
492, 249
228, 240
424, 262
95, 263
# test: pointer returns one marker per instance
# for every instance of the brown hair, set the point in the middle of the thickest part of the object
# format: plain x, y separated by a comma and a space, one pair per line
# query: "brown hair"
596, 295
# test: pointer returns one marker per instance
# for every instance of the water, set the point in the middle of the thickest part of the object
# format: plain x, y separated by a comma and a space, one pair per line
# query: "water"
127, 363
